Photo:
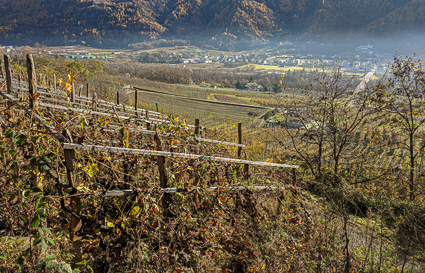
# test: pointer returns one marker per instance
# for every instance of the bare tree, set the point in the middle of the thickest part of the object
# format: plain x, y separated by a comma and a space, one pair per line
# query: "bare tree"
402, 101
322, 122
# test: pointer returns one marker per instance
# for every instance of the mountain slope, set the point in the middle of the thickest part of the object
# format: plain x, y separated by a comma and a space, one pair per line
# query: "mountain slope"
407, 18
80, 21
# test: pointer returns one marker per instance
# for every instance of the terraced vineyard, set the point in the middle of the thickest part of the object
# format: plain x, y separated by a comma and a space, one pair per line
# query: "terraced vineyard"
109, 187
110, 167
378, 148
211, 113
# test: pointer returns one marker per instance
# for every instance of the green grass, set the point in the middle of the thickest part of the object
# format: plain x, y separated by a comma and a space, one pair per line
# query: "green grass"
275, 67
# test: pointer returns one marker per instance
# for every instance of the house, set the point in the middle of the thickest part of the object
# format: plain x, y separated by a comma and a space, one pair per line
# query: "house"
8, 49
253, 86
188, 61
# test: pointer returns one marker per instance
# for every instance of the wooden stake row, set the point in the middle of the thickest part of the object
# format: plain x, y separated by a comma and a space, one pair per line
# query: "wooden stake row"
71, 148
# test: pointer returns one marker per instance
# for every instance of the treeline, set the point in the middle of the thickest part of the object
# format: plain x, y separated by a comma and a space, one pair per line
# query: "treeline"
206, 77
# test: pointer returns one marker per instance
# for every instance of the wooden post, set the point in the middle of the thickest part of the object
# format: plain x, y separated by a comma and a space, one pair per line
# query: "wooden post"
32, 80
1, 69
94, 102
123, 107
54, 82
294, 176
147, 114
197, 127
73, 92
87, 90
21, 93
19, 87
148, 126
239, 139
156, 104
136, 98
81, 91
163, 179
126, 171
118, 97
196, 149
75, 223
246, 171
7, 67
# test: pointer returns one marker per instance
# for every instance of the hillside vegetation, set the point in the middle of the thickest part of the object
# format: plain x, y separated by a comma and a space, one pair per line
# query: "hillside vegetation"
109, 188
123, 22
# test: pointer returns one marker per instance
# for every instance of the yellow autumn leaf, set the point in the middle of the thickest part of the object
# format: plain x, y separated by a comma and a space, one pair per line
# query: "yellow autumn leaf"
135, 211
109, 222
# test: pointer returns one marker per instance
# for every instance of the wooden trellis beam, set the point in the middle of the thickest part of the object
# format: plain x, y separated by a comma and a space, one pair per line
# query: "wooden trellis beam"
96, 148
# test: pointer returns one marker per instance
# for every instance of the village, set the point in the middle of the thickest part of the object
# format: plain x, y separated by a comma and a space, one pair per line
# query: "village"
361, 59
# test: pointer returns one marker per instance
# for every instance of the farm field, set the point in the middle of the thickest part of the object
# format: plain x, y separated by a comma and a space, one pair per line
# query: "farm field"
210, 114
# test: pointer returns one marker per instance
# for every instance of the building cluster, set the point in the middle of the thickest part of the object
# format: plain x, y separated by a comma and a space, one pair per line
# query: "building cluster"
362, 59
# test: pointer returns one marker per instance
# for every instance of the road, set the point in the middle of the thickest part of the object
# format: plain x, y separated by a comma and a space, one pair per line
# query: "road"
363, 84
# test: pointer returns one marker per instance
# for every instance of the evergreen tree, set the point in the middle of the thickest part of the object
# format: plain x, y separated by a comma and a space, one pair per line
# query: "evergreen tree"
238, 85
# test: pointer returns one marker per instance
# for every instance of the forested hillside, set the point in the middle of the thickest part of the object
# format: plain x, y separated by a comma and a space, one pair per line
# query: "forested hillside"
101, 22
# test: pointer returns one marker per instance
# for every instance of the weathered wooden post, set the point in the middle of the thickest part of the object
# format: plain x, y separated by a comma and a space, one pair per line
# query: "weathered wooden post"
73, 93
136, 99
7, 68
54, 82
21, 92
239, 139
147, 114
118, 97
75, 223
156, 104
123, 107
197, 127
126, 171
197, 134
1, 69
126, 164
294, 176
163, 179
32, 80
80, 91
87, 90
94, 102
148, 125
246, 171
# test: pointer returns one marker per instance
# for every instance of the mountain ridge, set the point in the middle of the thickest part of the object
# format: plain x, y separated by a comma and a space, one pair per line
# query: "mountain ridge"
97, 22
